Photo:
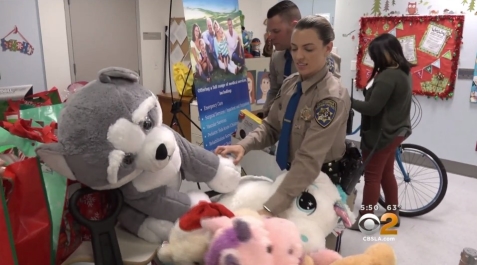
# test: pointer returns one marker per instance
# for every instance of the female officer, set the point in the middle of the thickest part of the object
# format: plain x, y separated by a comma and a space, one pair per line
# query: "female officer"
308, 117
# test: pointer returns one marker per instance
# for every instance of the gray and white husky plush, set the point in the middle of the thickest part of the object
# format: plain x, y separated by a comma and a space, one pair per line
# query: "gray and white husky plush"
110, 135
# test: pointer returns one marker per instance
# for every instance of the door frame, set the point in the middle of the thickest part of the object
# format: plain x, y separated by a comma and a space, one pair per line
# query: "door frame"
69, 37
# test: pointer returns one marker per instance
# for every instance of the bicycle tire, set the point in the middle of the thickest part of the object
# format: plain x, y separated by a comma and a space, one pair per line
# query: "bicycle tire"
442, 191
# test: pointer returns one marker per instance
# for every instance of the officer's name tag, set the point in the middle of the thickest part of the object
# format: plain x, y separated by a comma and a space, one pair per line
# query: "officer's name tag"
370, 84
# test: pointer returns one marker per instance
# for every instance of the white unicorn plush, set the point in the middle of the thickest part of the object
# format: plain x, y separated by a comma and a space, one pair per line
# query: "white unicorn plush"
316, 212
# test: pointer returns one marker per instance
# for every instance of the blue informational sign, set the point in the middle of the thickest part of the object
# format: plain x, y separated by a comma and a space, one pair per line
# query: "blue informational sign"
218, 64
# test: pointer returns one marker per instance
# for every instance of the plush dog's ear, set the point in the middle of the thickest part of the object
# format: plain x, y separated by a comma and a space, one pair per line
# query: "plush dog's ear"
52, 156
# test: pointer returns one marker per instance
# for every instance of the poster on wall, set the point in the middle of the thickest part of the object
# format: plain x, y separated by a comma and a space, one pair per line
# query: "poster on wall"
473, 89
252, 84
431, 43
218, 65
263, 85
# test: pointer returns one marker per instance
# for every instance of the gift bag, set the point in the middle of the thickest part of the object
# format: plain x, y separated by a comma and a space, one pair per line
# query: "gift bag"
21, 138
7, 247
45, 98
28, 211
42, 115
10, 109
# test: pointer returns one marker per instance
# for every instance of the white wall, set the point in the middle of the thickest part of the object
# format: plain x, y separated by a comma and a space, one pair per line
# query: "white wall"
55, 43
255, 12
448, 128
153, 17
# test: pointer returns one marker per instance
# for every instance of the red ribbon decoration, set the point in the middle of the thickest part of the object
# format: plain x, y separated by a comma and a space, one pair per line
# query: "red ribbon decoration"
22, 128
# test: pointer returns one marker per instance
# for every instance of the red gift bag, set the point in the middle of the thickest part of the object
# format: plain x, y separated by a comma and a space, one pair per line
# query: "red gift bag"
7, 248
28, 211
92, 206
45, 98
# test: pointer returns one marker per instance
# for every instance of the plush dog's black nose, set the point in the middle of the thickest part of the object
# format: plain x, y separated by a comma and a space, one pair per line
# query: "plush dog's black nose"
161, 152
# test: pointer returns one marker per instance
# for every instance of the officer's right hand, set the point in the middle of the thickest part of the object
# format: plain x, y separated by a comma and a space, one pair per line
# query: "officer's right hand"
237, 151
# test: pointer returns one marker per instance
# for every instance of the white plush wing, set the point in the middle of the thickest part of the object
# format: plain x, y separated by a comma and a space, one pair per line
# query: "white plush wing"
252, 193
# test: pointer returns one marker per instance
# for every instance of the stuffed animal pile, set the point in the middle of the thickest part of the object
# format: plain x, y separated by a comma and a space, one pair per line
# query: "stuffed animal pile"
316, 211
245, 238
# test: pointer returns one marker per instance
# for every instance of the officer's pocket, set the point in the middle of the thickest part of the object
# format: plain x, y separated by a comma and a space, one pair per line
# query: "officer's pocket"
300, 128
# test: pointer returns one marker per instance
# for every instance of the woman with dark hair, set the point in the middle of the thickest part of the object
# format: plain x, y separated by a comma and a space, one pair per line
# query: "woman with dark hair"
195, 50
385, 121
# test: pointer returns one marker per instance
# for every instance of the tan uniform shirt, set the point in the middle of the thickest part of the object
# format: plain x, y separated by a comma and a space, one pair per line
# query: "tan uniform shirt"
277, 69
276, 74
318, 132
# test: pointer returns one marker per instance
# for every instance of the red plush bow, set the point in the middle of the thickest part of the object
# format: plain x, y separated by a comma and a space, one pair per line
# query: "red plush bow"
191, 220
23, 128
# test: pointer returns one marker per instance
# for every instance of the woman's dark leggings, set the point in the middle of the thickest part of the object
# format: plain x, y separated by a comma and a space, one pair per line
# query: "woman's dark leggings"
379, 172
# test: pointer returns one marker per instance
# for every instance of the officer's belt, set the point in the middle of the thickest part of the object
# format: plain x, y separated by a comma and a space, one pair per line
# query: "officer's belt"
332, 169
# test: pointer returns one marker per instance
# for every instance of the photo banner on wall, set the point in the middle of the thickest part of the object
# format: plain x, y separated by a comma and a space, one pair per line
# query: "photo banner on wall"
218, 65
431, 43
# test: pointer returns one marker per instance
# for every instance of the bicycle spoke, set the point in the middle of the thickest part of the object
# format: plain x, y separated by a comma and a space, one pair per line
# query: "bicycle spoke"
420, 186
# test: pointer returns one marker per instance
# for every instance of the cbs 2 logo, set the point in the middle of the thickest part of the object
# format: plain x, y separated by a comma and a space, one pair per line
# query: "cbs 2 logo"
369, 224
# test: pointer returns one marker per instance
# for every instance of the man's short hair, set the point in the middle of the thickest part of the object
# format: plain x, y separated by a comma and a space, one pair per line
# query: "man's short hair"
229, 19
287, 10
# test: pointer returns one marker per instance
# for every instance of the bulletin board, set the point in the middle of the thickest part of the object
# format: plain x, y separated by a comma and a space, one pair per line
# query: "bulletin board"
432, 43
178, 41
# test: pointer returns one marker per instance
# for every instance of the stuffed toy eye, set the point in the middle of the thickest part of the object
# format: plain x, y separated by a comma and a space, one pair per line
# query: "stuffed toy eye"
128, 159
306, 202
147, 124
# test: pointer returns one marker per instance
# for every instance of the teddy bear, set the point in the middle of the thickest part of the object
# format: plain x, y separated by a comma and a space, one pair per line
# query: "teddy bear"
379, 254
111, 136
316, 211
188, 241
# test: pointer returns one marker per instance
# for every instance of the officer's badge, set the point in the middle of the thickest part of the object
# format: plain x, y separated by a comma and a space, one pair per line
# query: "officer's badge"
306, 114
325, 112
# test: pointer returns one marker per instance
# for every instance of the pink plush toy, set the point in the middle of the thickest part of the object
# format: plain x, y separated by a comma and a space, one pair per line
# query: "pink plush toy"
286, 241
288, 247
238, 241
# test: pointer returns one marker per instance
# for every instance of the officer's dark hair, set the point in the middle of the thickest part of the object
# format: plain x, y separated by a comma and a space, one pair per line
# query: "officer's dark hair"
320, 25
386, 51
287, 10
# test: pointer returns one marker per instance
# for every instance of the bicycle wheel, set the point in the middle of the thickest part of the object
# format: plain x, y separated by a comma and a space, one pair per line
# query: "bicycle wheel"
409, 181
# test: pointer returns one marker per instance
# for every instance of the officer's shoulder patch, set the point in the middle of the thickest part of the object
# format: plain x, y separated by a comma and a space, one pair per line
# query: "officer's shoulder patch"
291, 78
331, 64
325, 112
